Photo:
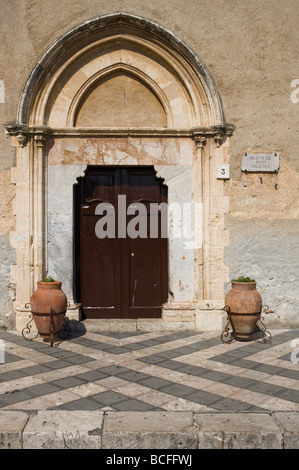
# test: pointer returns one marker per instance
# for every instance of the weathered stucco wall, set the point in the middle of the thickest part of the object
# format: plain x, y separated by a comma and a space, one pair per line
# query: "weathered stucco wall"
250, 49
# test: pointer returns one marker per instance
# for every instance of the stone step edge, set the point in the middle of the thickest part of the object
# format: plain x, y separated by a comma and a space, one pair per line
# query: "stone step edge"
62, 429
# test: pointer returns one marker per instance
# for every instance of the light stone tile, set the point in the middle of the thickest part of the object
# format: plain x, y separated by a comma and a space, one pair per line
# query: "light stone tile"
284, 364
99, 363
28, 354
278, 404
221, 389
19, 384
255, 374
45, 402
135, 365
181, 404
88, 389
282, 381
112, 382
133, 390
251, 397
16, 365
156, 398
36, 403
62, 373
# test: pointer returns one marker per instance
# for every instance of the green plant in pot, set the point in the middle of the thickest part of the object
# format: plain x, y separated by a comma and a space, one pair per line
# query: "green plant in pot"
243, 304
48, 306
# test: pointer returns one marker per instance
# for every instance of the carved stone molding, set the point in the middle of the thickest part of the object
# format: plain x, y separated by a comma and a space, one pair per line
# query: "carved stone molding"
200, 134
200, 141
22, 140
218, 139
40, 140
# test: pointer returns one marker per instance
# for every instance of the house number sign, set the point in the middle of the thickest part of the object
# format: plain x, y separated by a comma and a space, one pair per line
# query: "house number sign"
260, 162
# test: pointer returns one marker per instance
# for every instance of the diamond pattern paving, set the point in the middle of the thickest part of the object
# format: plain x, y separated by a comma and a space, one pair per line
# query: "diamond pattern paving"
149, 371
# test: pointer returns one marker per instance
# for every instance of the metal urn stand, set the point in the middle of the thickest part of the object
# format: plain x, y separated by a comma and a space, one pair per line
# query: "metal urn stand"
229, 334
65, 327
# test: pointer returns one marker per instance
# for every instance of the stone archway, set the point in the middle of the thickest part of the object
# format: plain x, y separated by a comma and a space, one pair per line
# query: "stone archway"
104, 72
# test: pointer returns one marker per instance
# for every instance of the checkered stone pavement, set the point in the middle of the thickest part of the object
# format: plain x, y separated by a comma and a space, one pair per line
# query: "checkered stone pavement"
149, 371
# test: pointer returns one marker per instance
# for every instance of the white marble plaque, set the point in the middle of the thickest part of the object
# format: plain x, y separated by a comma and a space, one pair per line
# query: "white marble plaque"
260, 162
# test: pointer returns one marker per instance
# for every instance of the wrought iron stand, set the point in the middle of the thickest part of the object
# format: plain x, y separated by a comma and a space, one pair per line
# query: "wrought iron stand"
261, 336
65, 327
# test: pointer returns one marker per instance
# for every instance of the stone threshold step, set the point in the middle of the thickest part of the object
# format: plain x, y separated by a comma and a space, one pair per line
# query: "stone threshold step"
131, 325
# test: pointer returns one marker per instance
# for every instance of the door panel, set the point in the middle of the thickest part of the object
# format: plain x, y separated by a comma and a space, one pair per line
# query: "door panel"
120, 277
100, 268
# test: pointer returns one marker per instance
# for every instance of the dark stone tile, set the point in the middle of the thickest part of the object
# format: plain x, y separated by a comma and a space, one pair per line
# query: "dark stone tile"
109, 398
133, 405
197, 371
91, 376
170, 354
173, 365
245, 363
268, 389
239, 381
291, 374
215, 375
11, 375
113, 370
238, 353
268, 369
290, 395
147, 343
155, 382
133, 376
203, 397
178, 390
61, 354
78, 359
81, 404
68, 382
224, 358
43, 389
35, 370
153, 359
59, 364
116, 350
230, 405
14, 397
134, 346
8, 358
99, 346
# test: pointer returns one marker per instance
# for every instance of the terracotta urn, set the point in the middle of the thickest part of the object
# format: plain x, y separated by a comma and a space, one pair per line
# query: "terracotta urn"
48, 306
243, 303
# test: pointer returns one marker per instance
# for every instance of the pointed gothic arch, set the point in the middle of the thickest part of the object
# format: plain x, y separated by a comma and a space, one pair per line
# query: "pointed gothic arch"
113, 33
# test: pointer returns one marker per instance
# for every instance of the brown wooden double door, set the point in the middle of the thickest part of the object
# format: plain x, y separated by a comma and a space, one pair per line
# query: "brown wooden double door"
123, 276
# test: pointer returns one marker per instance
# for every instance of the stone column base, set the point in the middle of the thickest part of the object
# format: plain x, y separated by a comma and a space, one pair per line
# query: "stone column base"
210, 316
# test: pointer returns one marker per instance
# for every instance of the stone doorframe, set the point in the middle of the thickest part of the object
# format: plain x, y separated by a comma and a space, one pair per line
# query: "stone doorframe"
48, 111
